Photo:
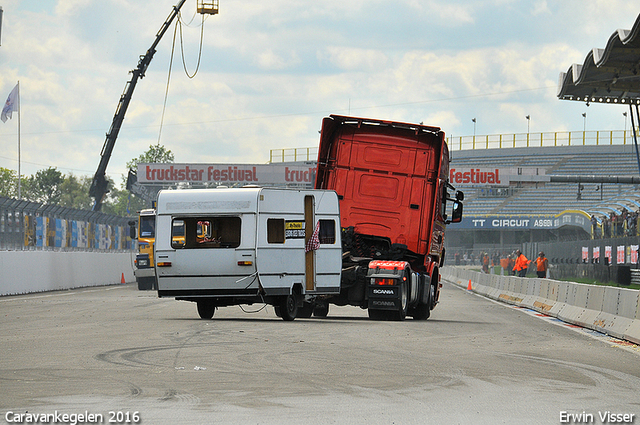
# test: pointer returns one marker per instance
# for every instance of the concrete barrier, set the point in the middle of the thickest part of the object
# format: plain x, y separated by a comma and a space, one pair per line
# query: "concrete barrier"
561, 298
589, 317
618, 311
633, 331
610, 310
23, 272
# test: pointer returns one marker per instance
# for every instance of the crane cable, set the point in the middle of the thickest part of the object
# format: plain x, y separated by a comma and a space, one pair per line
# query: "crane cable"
173, 47
184, 63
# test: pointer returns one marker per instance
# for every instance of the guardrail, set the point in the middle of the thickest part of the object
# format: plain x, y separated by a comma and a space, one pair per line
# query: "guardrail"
494, 141
526, 140
611, 310
293, 155
26, 225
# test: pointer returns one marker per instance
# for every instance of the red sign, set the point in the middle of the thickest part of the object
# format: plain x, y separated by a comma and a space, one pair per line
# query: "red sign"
475, 176
226, 173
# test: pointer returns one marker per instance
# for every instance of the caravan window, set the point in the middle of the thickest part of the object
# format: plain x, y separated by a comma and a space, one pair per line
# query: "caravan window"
275, 230
205, 232
327, 233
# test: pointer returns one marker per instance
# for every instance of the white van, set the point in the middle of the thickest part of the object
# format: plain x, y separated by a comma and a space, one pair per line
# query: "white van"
222, 247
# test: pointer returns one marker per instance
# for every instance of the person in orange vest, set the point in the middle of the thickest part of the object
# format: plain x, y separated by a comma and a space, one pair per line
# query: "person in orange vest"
522, 264
485, 262
542, 264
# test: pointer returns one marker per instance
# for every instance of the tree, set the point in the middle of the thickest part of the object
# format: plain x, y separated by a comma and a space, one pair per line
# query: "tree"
74, 192
44, 186
155, 154
8, 183
122, 201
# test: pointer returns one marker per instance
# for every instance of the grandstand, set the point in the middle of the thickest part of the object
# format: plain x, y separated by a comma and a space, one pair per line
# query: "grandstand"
535, 210
550, 198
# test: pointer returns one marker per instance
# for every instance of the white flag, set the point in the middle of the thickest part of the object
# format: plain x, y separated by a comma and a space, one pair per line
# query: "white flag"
13, 102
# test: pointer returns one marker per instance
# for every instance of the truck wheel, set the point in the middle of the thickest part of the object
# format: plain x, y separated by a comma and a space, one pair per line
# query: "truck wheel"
145, 283
306, 311
321, 310
423, 310
206, 309
401, 314
289, 307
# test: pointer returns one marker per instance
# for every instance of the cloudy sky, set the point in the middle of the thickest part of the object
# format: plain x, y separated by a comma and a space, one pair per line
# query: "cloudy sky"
271, 70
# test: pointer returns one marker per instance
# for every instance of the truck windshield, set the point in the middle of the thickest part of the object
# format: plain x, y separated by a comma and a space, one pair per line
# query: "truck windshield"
147, 226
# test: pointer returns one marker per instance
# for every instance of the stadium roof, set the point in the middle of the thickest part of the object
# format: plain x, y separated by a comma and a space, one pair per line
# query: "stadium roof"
609, 75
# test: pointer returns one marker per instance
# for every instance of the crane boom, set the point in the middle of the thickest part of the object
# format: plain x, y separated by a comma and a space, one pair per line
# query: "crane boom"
98, 188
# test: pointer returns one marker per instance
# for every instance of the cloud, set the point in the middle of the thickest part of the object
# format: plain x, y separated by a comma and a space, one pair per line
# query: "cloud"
271, 71
353, 59
540, 7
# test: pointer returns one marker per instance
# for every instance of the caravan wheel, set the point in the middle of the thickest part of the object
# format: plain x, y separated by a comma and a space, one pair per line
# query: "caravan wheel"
206, 309
289, 307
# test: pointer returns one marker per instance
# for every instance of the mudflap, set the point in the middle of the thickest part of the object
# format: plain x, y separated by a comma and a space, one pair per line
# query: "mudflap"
389, 294
385, 298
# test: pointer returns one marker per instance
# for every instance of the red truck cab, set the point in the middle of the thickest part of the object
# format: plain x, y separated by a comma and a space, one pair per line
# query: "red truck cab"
392, 182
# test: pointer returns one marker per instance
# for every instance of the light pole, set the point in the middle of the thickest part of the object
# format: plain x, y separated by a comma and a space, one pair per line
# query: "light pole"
624, 135
584, 126
528, 117
474, 132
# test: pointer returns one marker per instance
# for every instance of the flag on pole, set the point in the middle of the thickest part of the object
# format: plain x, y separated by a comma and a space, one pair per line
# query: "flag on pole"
314, 241
12, 104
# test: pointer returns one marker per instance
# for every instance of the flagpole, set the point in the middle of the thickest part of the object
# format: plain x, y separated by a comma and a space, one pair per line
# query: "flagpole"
19, 176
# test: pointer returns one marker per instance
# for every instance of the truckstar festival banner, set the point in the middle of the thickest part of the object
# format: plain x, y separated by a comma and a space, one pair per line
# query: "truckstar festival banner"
227, 173
478, 177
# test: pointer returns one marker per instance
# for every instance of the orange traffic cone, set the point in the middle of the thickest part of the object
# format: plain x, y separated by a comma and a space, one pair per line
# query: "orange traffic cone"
122, 279
469, 288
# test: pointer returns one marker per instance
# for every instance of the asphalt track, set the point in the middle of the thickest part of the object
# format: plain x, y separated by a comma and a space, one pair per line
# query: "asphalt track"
117, 349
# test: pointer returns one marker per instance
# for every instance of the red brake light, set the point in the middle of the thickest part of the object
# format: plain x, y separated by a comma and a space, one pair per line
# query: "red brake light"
164, 264
384, 281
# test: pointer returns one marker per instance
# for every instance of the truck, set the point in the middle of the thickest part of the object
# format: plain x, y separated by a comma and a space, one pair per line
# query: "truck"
369, 234
392, 180
145, 232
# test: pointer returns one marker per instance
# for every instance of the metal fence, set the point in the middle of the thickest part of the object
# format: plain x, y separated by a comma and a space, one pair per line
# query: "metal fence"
26, 225
293, 155
525, 140
494, 141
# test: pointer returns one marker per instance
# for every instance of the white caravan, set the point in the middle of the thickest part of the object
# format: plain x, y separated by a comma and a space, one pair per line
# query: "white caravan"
222, 247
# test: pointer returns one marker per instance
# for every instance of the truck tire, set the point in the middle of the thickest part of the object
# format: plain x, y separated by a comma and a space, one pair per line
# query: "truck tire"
321, 310
289, 307
206, 309
423, 310
146, 283
401, 314
305, 311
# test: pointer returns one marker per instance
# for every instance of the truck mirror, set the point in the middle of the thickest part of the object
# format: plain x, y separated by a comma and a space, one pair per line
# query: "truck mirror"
132, 229
456, 213
459, 195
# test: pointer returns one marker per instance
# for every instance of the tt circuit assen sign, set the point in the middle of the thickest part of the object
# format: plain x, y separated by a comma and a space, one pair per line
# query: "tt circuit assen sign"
565, 218
232, 174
